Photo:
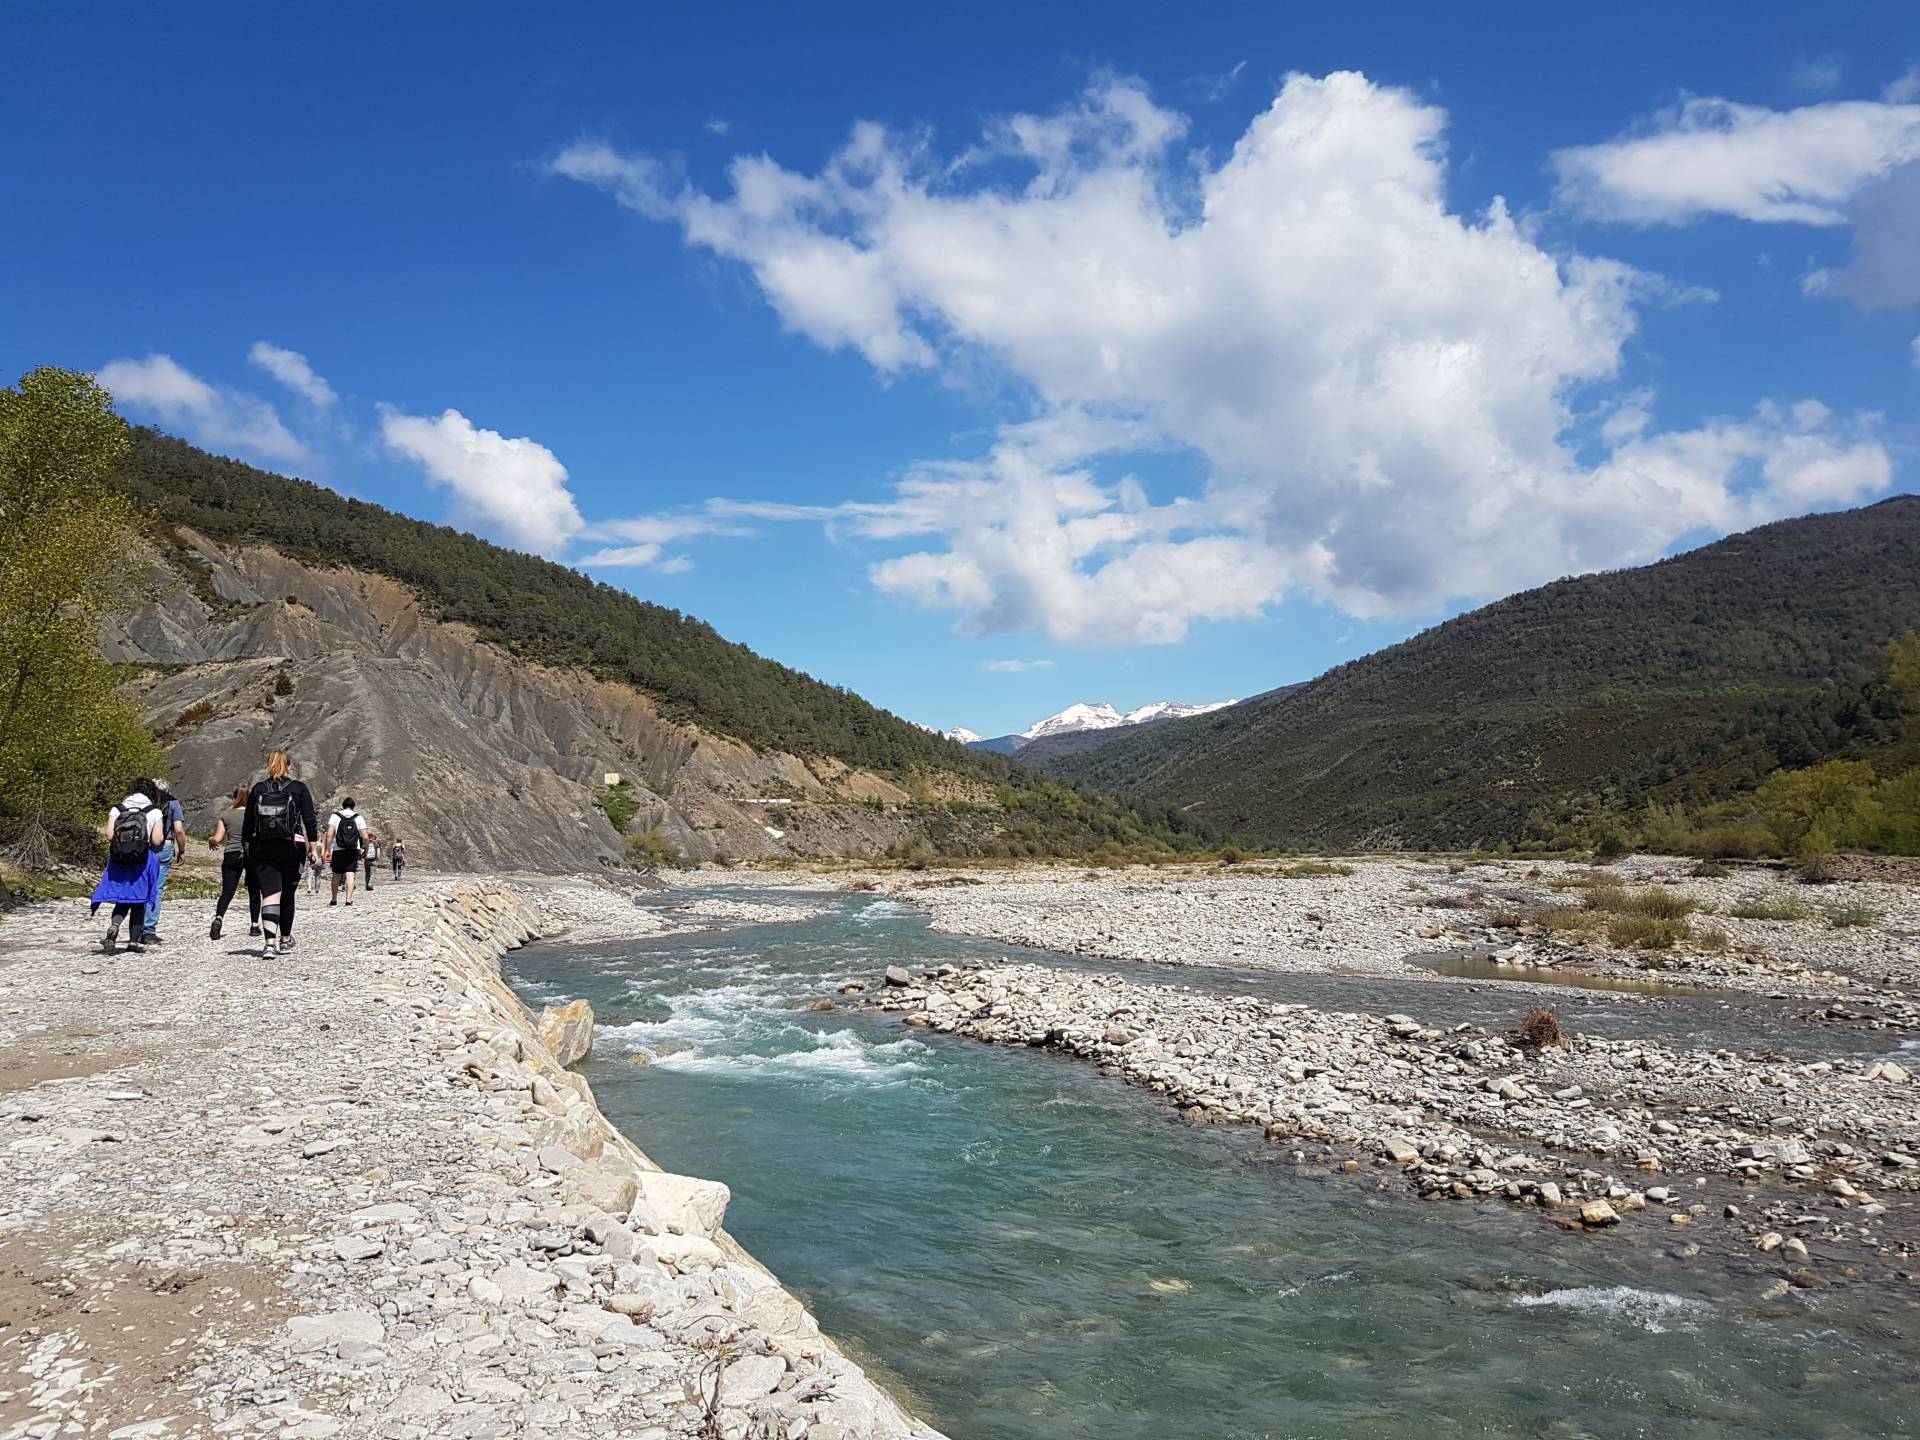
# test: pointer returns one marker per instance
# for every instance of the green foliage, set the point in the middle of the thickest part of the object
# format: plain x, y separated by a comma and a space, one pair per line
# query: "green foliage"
1808, 809
69, 745
1311, 870
1903, 669
652, 849
619, 804
1709, 870
1685, 682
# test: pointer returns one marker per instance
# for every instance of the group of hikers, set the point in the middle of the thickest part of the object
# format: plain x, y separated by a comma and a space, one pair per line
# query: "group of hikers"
269, 836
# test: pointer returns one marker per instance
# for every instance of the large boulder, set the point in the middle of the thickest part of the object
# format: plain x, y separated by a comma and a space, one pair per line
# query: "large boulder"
567, 1031
608, 1184
683, 1204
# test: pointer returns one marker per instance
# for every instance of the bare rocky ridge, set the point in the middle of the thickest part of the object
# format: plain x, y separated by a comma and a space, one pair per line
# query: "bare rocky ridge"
351, 1193
476, 759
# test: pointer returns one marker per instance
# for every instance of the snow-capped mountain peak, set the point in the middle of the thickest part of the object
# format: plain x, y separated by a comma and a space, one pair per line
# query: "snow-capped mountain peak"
1075, 717
962, 734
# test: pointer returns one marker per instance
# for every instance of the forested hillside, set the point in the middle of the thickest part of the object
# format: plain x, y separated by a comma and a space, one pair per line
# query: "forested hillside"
545, 613
1689, 679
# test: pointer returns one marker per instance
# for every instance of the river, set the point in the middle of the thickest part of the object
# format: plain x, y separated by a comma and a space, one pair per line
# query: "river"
1023, 1248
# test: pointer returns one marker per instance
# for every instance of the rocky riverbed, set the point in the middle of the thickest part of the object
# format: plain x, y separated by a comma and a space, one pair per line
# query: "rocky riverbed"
351, 1193
1856, 941
1817, 1161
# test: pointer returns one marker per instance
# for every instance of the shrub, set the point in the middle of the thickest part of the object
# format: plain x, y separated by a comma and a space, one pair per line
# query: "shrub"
1731, 842
1709, 870
1711, 940
1785, 908
1568, 919
282, 684
1232, 855
1507, 918
1655, 902
1843, 917
196, 714
1647, 932
619, 804
1311, 869
1541, 1031
652, 849
1807, 809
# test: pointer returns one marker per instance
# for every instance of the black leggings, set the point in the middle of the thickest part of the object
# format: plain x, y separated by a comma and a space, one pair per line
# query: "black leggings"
234, 868
279, 867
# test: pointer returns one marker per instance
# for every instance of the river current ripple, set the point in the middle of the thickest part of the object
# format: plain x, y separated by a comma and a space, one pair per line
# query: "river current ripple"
1023, 1248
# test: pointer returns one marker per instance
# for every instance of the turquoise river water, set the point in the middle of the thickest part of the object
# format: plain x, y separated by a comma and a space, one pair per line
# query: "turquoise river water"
1022, 1248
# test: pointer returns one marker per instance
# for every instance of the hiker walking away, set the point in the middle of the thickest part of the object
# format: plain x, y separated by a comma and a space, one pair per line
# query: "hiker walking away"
346, 833
397, 853
136, 829
173, 821
373, 854
315, 864
233, 864
279, 823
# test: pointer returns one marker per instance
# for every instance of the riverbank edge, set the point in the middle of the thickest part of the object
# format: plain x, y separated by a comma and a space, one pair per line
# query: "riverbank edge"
479, 923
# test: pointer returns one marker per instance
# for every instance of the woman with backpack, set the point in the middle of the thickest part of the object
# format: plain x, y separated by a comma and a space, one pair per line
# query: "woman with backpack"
280, 822
136, 830
233, 864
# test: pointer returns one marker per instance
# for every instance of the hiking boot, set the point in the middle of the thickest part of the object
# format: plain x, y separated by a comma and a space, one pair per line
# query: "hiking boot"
286, 943
213, 930
152, 938
110, 939
253, 930
136, 946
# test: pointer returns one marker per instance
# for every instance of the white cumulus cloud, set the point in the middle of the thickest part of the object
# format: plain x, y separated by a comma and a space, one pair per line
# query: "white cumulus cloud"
515, 490
217, 418
291, 369
1388, 395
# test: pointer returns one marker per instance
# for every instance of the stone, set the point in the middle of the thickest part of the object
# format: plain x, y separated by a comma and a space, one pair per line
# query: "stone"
1598, 1212
556, 1158
567, 1032
521, 1285
685, 1204
1795, 1248
749, 1377
1400, 1152
357, 1248
309, 1334
608, 1184
897, 976
1771, 1241
1550, 1194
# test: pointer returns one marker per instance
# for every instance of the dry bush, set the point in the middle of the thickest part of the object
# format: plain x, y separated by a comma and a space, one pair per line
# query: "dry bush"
1655, 902
1647, 932
1785, 908
1541, 1031
1568, 919
1710, 870
1845, 916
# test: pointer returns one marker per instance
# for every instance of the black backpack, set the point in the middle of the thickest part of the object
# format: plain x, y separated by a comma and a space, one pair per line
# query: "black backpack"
130, 842
273, 813
347, 836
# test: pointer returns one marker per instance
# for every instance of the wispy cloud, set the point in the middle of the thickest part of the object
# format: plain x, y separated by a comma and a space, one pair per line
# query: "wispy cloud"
1818, 74
291, 369
211, 415
1015, 667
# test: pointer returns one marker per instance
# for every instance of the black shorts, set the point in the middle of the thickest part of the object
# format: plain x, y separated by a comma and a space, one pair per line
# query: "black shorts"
345, 862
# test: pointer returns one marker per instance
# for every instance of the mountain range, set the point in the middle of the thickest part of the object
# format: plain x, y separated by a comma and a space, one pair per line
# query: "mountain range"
476, 700
1079, 718
1684, 681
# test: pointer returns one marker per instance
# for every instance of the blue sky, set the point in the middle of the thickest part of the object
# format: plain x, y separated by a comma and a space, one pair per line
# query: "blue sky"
901, 343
